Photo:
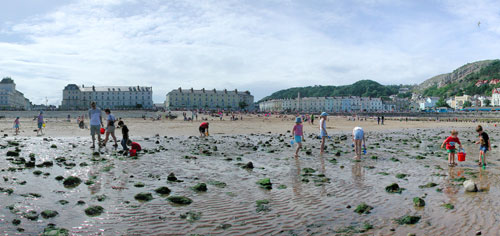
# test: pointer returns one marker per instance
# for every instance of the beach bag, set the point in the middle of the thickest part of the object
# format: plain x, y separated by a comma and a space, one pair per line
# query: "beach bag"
103, 130
461, 155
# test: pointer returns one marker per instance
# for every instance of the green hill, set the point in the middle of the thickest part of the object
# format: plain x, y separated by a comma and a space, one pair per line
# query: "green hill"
468, 83
365, 88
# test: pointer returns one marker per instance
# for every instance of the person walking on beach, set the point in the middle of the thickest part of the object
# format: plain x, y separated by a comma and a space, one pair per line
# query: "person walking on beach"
16, 125
110, 128
298, 134
450, 143
203, 129
125, 137
485, 145
358, 139
312, 119
40, 123
383, 120
322, 130
95, 123
378, 120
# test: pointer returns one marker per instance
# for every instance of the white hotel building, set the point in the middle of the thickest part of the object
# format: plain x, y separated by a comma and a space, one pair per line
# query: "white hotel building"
113, 97
10, 98
209, 99
319, 104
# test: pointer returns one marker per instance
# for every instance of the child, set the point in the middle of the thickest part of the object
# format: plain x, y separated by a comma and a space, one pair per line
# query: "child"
298, 134
110, 128
322, 130
450, 147
16, 125
40, 123
125, 139
358, 137
204, 129
485, 145
134, 145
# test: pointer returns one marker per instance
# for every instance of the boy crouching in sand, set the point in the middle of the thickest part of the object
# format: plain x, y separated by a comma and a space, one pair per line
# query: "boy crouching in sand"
450, 143
485, 145
298, 134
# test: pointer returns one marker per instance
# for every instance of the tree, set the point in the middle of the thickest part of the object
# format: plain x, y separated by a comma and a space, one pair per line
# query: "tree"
487, 102
242, 105
442, 103
467, 104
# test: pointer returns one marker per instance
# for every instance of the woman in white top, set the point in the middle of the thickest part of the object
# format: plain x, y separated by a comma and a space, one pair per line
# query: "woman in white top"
322, 130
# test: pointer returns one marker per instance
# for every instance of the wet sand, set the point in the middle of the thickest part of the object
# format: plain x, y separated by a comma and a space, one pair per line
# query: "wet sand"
313, 194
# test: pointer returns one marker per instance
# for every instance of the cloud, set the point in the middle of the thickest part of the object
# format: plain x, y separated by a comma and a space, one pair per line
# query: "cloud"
262, 46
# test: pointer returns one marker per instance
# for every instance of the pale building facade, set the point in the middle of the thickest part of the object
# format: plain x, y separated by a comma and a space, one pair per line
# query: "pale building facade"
319, 104
113, 97
10, 98
209, 99
495, 97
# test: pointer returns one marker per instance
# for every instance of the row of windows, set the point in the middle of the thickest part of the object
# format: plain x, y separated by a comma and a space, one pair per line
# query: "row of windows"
107, 98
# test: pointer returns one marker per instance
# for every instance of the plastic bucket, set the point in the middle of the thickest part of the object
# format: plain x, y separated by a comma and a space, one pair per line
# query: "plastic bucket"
103, 130
461, 156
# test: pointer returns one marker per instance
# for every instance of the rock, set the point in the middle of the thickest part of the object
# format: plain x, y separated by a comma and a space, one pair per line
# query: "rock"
37, 172
363, 208
139, 185
72, 182
418, 202
80, 202
265, 183
59, 178
31, 215
94, 210
145, 197
407, 220
181, 200
478, 233
393, 188
49, 214
249, 165
201, 187
16, 221
53, 146
12, 154
163, 190
171, 177
51, 230
470, 186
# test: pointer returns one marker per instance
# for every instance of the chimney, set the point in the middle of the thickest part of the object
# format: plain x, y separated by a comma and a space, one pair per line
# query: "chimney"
93, 88
236, 91
192, 90
203, 90
180, 89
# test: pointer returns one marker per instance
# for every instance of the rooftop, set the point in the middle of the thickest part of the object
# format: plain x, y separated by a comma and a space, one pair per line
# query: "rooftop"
84, 88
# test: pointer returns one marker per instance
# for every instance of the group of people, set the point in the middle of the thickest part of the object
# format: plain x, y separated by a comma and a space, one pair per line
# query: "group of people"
451, 142
96, 125
358, 137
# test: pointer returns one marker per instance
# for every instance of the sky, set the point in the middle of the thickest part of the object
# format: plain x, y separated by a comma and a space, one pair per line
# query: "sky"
258, 45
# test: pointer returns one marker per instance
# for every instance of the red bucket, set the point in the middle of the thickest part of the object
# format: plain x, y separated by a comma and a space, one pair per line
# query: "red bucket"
461, 156
103, 130
133, 152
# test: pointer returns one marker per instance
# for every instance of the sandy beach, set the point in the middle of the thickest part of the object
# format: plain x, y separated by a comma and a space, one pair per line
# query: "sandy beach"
310, 195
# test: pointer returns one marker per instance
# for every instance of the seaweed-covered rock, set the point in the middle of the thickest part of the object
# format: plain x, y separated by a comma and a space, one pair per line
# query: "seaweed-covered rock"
407, 220
418, 202
201, 187
94, 210
145, 197
53, 146
12, 154
31, 215
191, 216
181, 200
393, 188
59, 177
52, 230
37, 172
265, 183
363, 208
139, 185
171, 177
163, 190
262, 205
449, 206
428, 185
16, 221
72, 182
49, 214
249, 165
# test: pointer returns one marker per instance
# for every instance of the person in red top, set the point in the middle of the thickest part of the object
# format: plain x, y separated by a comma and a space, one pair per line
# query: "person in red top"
450, 143
134, 145
203, 127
